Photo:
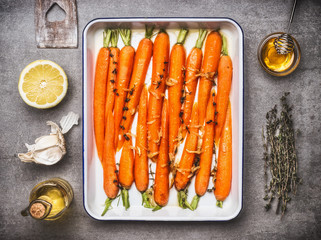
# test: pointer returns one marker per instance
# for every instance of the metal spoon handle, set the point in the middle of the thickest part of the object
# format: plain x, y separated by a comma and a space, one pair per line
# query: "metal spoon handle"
291, 17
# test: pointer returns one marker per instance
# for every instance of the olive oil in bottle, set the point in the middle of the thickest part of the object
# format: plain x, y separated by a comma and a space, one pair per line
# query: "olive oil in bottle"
274, 61
49, 199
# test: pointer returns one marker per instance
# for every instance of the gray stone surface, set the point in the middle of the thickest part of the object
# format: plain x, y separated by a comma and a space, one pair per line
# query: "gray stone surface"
20, 123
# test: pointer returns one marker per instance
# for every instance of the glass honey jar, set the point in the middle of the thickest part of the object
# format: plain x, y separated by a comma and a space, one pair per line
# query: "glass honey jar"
49, 200
274, 63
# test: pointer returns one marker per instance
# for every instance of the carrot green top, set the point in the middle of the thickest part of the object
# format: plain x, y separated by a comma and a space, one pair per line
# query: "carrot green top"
125, 36
106, 36
182, 36
149, 31
224, 45
201, 37
114, 38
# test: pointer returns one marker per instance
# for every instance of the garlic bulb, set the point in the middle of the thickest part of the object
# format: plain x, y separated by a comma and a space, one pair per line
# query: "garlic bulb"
50, 149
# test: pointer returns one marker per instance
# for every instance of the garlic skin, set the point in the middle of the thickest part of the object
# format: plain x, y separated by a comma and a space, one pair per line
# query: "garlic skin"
50, 149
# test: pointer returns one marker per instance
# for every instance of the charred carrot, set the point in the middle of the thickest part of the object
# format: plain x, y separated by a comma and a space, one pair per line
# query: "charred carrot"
109, 163
126, 171
224, 162
126, 59
175, 87
112, 72
184, 171
211, 58
141, 161
100, 94
157, 90
193, 66
204, 172
142, 59
161, 186
224, 82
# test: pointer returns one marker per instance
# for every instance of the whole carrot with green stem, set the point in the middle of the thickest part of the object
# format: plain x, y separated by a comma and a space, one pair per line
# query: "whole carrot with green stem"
186, 169
193, 66
126, 171
204, 171
224, 163
109, 163
212, 53
142, 59
126, 60
102, 64
161, 185
175, 87
112, 71
157, 92
224, 83
141, 173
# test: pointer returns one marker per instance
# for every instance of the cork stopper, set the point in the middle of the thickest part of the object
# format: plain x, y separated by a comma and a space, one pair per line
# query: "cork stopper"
37, 210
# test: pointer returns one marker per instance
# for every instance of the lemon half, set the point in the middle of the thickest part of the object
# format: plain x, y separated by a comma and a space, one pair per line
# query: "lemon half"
42, 84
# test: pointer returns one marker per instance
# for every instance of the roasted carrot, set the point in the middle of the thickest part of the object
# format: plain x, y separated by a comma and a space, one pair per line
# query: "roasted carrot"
224, 162
175, 87
193, 66
157, 91
100, 93
184, 171
204, 172
126, 165
211, 58
141, 160
126, 171
142, 59
109, 163
224, 82
161, 185
112, 72
126, 59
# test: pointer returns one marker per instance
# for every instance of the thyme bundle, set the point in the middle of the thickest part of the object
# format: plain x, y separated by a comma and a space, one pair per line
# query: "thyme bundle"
280, 158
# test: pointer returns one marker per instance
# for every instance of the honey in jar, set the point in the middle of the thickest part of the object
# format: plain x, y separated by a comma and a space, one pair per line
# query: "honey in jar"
274, 61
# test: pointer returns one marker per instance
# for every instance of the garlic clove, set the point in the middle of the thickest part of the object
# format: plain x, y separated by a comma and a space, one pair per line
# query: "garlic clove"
48, 156
50, 149
46, 142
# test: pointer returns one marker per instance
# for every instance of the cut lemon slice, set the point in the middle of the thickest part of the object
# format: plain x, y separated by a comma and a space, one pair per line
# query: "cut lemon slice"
42, 84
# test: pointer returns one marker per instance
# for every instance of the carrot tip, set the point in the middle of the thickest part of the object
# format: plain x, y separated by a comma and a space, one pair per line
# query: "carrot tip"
219, 204
107, 205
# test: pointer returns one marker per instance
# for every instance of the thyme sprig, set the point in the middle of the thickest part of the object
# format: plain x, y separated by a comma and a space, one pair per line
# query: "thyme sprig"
280, 158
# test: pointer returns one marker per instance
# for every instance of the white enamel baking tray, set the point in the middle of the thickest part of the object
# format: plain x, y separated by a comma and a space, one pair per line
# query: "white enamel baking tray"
93, 193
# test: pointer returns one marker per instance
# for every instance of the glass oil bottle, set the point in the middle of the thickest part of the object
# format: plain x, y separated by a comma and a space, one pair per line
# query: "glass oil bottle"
49, 200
